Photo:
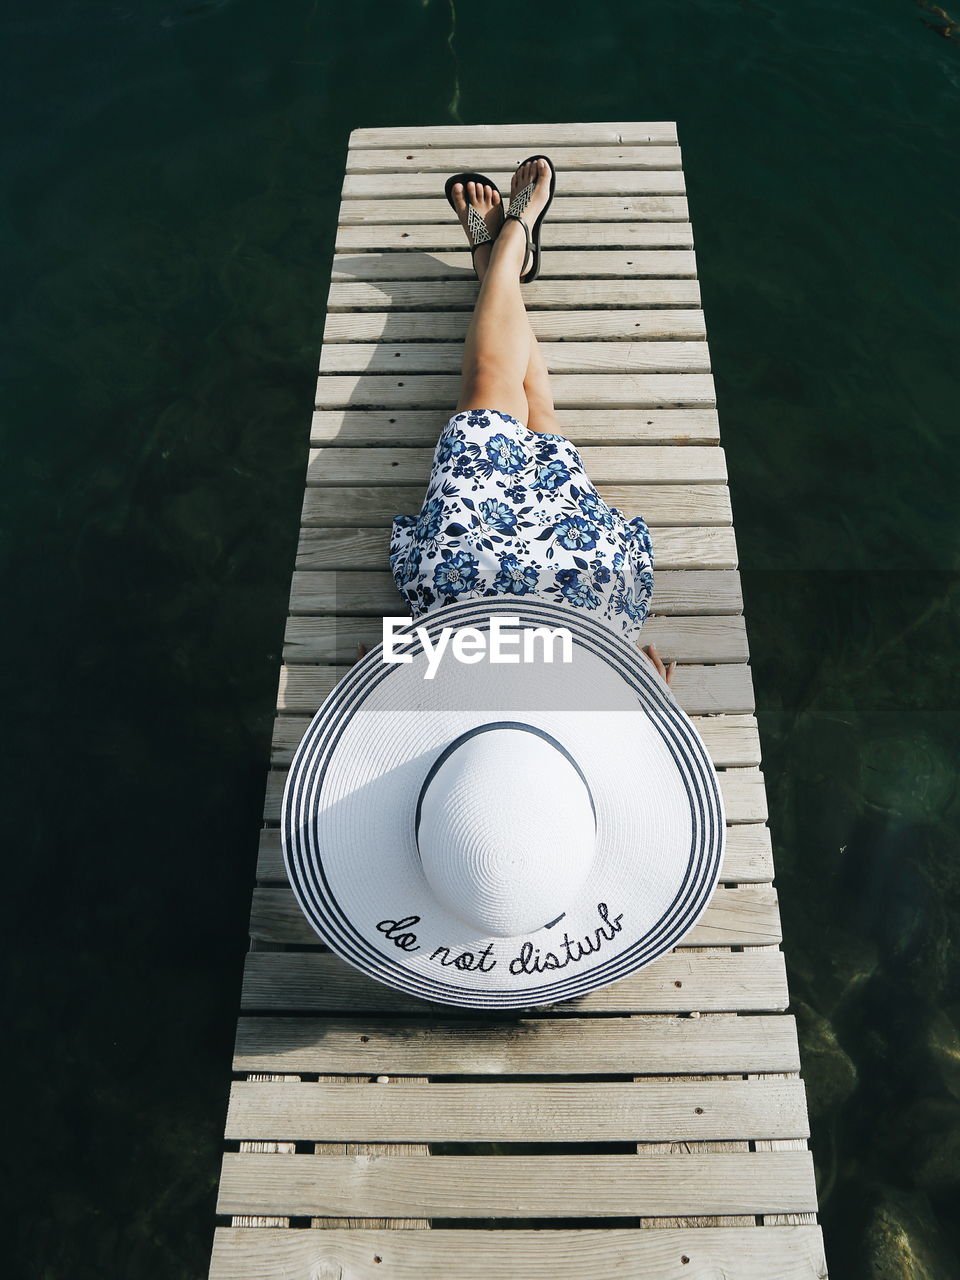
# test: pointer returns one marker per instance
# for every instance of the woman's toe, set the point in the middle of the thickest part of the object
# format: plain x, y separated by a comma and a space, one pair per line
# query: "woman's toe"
525, 175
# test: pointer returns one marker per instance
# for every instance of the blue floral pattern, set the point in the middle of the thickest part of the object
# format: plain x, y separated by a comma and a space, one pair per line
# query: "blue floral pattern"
511, 512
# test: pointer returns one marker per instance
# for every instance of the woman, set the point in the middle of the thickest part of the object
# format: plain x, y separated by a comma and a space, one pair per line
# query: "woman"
509, 510
507, 838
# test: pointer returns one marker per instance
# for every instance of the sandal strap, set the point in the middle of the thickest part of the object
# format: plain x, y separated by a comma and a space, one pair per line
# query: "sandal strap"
477, 228
526, 231
521, 200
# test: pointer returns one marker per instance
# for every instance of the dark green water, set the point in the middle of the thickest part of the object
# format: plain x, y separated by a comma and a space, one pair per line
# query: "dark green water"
170, 191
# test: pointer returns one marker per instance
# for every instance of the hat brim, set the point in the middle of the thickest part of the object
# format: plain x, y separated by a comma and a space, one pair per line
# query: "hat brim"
349, 811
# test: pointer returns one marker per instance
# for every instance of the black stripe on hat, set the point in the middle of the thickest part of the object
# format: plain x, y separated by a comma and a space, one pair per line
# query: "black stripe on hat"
449, 749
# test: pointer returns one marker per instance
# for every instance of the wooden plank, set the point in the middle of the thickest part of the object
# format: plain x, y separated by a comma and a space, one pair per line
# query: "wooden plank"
748, 858
719, 638
680, 982
562, 1111
448, 235
570, 390
641, 464
744, 796
519, 1046
752, 1253
547, 292
613, 133
571, 264
576, 182
653, 324
562, 357
692, 591
660, 504
738, 916
347, 427
408, 159
565, 208
714, 547
701, 690
517, 1186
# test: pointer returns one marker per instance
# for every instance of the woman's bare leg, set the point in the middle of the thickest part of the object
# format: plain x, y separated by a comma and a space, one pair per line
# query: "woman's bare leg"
536, 387
541, 413
503, 366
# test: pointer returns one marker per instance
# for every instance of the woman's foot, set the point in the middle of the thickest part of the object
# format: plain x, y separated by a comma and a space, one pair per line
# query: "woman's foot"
539, 171
488, 204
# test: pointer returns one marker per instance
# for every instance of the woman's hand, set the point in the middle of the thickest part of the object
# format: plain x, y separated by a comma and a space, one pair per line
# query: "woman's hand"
665, 672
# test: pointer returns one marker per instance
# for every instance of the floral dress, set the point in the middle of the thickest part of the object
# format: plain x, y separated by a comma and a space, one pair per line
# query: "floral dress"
511, 512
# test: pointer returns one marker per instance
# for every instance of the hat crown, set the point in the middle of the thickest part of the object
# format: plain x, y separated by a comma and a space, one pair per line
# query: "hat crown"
506, 832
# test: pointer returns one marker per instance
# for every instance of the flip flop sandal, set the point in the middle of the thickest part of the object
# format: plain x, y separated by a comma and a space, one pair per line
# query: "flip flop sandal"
477, 228
517, 206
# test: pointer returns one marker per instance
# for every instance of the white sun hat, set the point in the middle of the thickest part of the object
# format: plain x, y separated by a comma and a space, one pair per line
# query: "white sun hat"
502, 833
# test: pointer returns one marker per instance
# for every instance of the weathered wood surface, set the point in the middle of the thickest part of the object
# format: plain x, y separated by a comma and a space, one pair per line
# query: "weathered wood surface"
608, 133
348, 1147
626, 390
692, 1059
514, 1187
413, 161
519, 1046
752, 1253
546, 294
555, 1112
410, 236
420, 427
631, 464
595, 211
610, 182
715, 981
562, 357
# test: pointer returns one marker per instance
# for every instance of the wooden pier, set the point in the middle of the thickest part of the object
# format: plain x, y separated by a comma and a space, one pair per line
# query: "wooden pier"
656, 1128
